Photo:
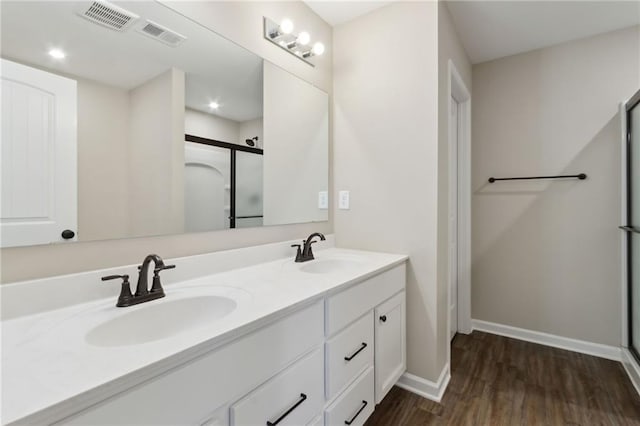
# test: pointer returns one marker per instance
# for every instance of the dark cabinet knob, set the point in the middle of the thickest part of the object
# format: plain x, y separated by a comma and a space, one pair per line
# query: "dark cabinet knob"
383, 318
67, 234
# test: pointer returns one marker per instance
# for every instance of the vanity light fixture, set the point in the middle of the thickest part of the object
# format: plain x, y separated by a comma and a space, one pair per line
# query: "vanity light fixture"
297, 44
303, 38
316, 50
286, 26
57, 54
214, 105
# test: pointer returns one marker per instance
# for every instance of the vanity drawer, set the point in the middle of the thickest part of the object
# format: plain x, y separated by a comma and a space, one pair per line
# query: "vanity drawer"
294, 397
348, 354
355, 405
350, 304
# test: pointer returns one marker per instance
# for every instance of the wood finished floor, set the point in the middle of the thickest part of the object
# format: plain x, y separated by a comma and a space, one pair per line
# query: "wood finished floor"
500, 381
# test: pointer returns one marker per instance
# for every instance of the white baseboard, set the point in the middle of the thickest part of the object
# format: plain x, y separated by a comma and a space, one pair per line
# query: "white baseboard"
426, 388
596, 349
633, 371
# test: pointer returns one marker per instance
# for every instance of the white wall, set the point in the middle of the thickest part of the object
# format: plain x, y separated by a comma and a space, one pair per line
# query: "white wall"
103, 122
546, 254
296, 154
242, 23
249, 129
210, 126
386, 153
156, 156
449, 49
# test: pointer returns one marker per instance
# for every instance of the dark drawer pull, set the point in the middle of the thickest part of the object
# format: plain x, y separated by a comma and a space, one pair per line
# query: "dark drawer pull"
348, 422
286, 413
353, 355
383, 318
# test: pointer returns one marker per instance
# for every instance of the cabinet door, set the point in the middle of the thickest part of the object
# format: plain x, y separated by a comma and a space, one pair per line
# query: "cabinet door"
390, 344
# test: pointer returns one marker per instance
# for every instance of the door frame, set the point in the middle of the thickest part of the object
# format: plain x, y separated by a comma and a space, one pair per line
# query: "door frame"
625, 311
457, 90
626, 184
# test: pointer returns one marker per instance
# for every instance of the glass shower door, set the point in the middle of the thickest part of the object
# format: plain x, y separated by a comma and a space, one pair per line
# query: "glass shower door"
248, 189
633, 222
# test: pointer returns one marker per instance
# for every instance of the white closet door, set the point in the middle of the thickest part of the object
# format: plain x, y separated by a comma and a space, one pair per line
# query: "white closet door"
39, 156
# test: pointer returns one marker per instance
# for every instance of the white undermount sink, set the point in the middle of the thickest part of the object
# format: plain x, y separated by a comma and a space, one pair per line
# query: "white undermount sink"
160, 320
330, 265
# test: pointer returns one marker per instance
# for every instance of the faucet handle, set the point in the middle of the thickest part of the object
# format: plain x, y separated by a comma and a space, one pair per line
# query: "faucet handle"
298, 252
113, 277
125, 290
163, 267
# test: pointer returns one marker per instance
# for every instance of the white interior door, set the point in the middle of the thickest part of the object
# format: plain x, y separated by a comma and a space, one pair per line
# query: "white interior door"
453, 217
39, 156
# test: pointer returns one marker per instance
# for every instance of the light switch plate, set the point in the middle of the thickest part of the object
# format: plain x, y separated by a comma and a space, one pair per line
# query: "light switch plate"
343, 200
323, 200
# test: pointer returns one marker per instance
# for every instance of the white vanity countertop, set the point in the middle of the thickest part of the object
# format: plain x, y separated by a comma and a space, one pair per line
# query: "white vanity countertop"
49, 369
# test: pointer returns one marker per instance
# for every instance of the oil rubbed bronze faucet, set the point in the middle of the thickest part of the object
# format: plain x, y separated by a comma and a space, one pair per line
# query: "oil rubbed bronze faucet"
305, 253
143, 293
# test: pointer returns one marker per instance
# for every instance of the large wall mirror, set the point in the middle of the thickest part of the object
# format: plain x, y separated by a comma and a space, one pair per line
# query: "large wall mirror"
126, 119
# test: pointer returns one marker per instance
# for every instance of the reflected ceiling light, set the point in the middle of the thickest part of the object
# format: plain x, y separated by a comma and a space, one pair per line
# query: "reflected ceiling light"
286, 26
57, 54
303, 38
214, 105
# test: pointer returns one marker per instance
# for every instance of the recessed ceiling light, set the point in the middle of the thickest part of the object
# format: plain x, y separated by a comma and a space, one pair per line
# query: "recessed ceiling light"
214, 105
57, 54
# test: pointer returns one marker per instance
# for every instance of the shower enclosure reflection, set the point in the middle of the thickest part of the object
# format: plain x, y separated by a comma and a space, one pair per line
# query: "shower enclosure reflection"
223, 185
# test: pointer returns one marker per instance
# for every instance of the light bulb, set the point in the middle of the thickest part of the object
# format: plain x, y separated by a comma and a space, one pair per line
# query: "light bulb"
318, 48
57, 54
304, 38
214, 105
286, 26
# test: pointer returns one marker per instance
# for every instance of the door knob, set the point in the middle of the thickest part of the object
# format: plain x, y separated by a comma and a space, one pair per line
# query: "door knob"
383, 318
67, 234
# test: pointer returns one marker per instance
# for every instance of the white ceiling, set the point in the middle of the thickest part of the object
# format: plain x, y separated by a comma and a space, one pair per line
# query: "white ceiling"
494, 29
336, 12
216, 69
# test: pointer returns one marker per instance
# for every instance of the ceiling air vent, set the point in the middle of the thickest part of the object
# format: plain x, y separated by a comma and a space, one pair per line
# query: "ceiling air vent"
160, 33
108, 15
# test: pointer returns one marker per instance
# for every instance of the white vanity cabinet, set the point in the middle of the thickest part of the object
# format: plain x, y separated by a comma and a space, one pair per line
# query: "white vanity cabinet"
353, 321
391, 347
327, 363
193, 393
